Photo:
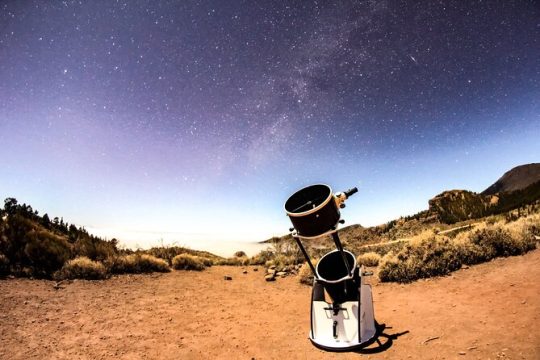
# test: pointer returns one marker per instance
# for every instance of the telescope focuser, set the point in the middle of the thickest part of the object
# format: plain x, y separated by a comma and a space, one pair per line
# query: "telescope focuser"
341, 196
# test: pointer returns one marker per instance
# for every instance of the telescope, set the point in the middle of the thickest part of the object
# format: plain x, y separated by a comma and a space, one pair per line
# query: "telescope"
342, 315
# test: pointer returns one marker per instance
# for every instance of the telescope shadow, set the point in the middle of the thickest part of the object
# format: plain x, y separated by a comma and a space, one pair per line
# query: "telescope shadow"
382, 341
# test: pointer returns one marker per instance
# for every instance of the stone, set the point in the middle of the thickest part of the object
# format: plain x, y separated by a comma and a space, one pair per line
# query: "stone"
270, 277
227, 277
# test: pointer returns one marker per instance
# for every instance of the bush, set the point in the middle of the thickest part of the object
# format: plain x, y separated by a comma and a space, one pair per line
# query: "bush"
4, 265
94, 248
188, 262
305, 275
468, 252
206, 261
233, 261
240, 254
262, 257
496, 241
136, 264
82, 268
420, 259
169, 252
280, 261
368, 259
46, 252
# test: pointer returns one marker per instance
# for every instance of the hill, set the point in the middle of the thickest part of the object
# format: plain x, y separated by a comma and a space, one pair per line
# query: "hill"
517, 187
517, 178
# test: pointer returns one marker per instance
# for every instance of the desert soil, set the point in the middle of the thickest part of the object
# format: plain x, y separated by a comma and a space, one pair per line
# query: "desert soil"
489, 311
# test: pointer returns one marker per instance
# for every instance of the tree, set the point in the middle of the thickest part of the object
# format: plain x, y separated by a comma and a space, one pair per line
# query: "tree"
10, 205
45, 221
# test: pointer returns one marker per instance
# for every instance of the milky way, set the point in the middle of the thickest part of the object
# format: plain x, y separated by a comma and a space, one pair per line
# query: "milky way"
193, 119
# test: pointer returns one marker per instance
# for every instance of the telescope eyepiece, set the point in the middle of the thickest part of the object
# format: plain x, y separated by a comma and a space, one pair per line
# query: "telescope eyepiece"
350, 192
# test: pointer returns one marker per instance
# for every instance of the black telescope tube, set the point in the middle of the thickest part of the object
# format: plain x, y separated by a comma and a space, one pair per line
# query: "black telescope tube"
350, 192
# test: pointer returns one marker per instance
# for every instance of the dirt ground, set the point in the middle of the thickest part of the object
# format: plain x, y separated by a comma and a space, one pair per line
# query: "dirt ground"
489, 311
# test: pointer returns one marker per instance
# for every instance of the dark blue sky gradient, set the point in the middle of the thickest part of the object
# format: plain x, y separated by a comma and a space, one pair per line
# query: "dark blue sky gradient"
194, 120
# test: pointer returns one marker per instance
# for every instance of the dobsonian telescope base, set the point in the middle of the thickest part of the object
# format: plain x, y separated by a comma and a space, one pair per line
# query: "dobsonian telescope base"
341, 311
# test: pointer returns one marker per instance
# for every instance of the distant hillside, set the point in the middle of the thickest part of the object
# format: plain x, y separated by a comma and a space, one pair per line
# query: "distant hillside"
518, 187
34, 245
515, 188
518, 178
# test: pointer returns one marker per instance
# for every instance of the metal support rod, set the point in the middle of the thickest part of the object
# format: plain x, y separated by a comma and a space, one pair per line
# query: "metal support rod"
335, 236
306, 256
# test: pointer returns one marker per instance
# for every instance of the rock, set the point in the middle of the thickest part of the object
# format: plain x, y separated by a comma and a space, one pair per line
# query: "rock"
270, 277
272, 267
271, 271
255, 269
462, 353
281, 274
227, 277
465, 267
244, 272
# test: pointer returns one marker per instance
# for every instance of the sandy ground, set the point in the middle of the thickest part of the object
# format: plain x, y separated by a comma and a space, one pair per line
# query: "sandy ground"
488, 311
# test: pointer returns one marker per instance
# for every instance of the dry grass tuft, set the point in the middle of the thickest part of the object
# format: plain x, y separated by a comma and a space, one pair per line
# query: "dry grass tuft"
137, 263
188, 262
368, 259
232, 261
82, 268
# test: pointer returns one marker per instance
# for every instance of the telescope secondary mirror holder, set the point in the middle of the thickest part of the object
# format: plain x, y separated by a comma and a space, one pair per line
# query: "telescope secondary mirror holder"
344, 319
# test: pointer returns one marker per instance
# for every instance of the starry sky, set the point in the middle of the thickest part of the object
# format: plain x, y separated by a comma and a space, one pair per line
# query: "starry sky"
193, 121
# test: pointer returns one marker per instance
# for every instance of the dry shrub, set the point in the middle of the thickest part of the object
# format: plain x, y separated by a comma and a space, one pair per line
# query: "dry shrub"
46, 251
232, 261
420, 259
495, 241
206, 261
94, 248
439, 256
240, 254
262, 257
281, 261
188, 262
137, 263
368, 259
305, 275
4, 265
468, 252
82, 268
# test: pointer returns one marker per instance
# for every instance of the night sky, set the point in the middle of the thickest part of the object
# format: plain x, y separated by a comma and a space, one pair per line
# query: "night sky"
190, 121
